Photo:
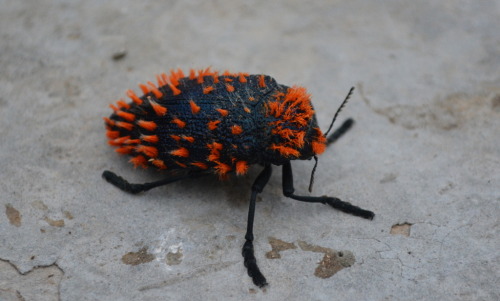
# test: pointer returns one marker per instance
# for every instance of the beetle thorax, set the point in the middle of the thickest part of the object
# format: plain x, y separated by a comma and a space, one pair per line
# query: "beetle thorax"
294, 130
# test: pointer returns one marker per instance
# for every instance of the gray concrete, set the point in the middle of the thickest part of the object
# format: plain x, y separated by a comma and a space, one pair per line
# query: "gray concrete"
424, 154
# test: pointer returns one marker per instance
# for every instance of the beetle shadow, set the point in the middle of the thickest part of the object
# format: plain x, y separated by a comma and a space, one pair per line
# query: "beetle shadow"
233, 190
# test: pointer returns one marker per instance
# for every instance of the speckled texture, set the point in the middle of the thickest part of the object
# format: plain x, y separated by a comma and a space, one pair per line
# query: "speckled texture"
424, 151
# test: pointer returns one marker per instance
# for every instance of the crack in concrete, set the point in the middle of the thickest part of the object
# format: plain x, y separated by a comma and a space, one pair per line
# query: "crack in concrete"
32, 271
205, 270
448, 234
446, 113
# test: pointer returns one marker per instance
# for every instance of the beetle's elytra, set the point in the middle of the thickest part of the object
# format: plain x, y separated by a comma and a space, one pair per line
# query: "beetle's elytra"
211, 123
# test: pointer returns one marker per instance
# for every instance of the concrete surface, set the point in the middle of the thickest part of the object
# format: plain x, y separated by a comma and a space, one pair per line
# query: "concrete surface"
424, 154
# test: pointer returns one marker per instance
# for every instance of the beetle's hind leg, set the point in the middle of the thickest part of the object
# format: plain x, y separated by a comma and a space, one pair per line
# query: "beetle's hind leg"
124, 185
336, 203
340, 131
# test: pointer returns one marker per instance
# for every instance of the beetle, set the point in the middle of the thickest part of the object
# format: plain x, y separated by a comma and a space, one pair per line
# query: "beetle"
208, 122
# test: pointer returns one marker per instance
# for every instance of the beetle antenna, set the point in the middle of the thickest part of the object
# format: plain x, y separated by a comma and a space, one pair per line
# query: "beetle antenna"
340, 109
311, 182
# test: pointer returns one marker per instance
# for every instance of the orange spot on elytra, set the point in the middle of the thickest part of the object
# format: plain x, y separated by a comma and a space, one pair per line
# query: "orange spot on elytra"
174, 89
229, 88
215, 77
155, 90
175, 76
215, 145
236, 130
214, 148
241, 167
148, 125
124, 125
134, 97
139, 161
181, 164
144, 88
159, 163
192, 74
132, 141
179, 122
180, 72
112, 106
194, 107
108, 122
180, 152
188, 138
285, 151
247, 110
122, 104
242, 78
202, 73
159, 109
118, 141
251, 98
149, 151
262, 82
200, 165
175, 137
222, 169
222, 112
160, 78
164, 78
212, 125
125, 150
208, 89
214, 156
112, 134
125, 115
150, 138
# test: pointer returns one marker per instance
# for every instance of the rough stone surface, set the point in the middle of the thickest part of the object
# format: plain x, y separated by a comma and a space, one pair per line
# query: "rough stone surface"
425, 151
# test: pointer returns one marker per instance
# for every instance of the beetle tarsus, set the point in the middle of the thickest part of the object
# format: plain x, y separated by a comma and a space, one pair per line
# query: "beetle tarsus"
251, 265
348, 207
121, 183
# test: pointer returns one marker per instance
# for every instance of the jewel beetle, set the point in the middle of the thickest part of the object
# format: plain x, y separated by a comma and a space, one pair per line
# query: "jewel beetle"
215, 123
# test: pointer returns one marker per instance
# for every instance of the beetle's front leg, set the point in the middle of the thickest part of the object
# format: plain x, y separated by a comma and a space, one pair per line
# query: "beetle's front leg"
336, 203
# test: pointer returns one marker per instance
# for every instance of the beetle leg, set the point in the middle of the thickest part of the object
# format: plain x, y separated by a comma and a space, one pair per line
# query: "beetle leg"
247, 251
336, 203
124, 185
340, 131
